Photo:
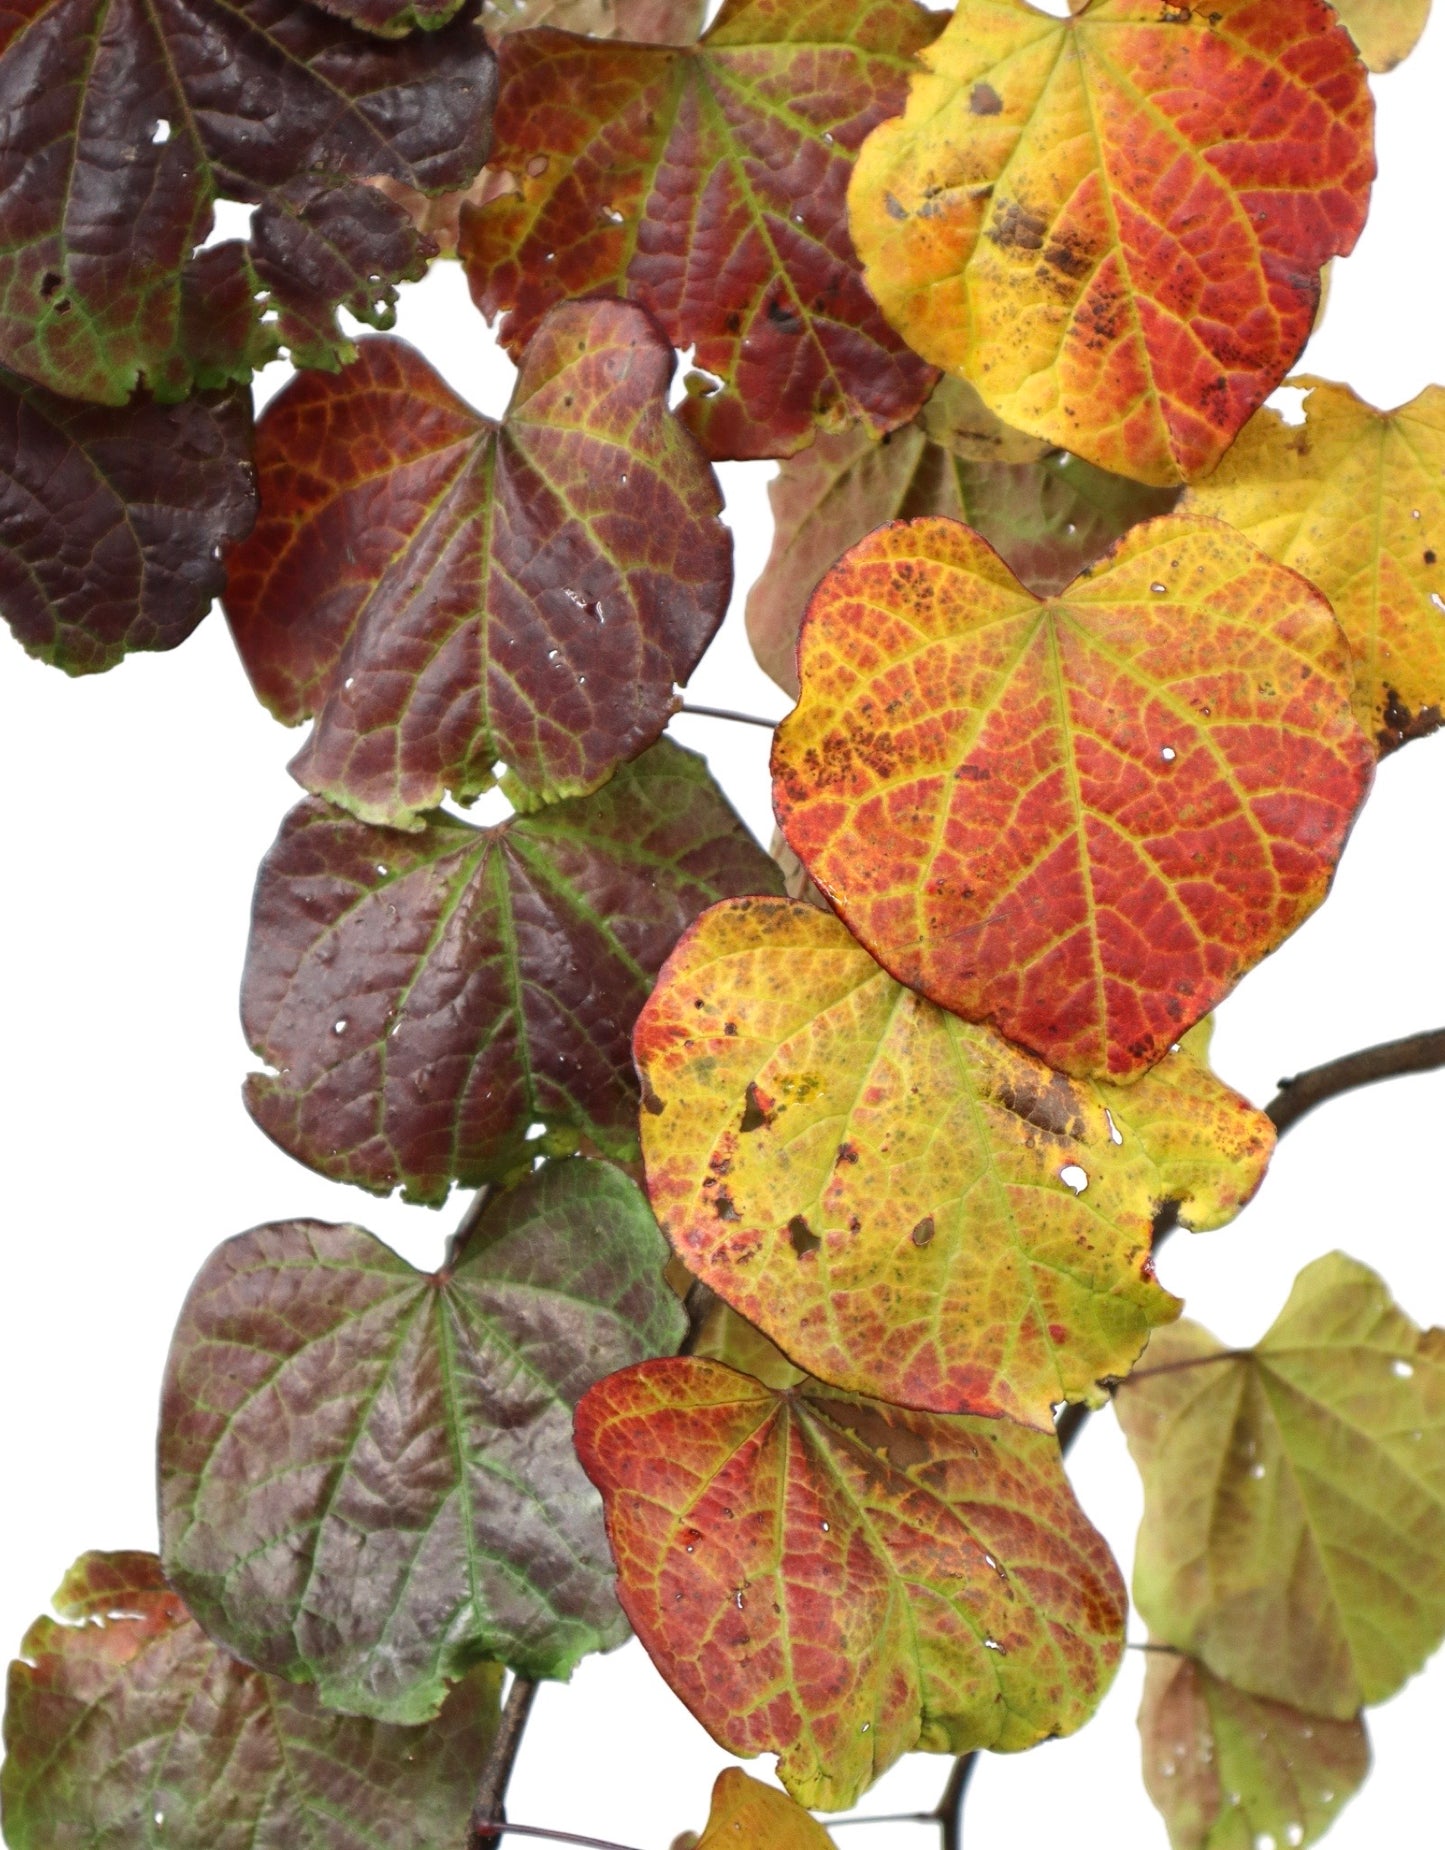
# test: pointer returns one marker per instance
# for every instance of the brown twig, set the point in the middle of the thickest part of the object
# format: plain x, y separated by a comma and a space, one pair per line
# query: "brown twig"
489, 1813
742, 719
501, 1826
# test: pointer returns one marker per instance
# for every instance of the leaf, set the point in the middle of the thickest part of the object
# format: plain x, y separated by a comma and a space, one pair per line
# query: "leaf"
449, 595
124, 125
114, 519
1083, 820
708, 183
1352, 499
838, 1581
908, 1205
429, 1000
125, 1726
1294, 1514
747, 1815
653, 22
1047, 517
1114, 224
1231, 1772
393, 19
1386, 31
366, 1473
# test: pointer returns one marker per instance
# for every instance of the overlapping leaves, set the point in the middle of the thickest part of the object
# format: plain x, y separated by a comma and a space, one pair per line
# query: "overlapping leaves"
708, 183
909, 1205
1386, 31
1114, 224
424, 1506
1294, 1523
114, 519
652, 22
1230, 1771
458, 600
839, 1581
1081, 820
125, 124
1354, 499
444, 1006
125, 1725
1045, 513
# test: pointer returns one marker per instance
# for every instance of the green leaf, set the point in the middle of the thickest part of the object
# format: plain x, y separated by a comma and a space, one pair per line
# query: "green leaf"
1294, 1516
367, 1474
1230, 1771
126, 1729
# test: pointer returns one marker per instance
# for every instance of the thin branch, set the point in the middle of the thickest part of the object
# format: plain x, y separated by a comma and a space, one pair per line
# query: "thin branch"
742, 719
490, 1810
501, 1826
462, 1232
1416, 1053
890, 1817
949, 1813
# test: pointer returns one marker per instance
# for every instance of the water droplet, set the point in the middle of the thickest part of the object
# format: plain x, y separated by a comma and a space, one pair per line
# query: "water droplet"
349, 682
1414, 513
1437, 600
160, 1819
1294, 1834
1159, 590
1168, 754
992, 1644
1402, 1368
1072, 1176
828, 137
537, 166
1256, 1470
866, 1726
826, 1527
340, 1027
1263, 1841
738, 1599
382, 869
1072, 527
613, 216
160, 135
534, 1131
577, 598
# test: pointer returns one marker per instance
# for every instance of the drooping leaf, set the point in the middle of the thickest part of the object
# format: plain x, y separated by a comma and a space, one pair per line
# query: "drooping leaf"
1047, 516
113, 519
1231, 1771
708, 183
747, 1815
127, 1729
1386, 31
1294, 1517
1114, 224
909, 1205
125, 124
838, 1581
1354, 499
450, 596
724, 1336
367, 1475
1081, 820
445, 1006
651, 22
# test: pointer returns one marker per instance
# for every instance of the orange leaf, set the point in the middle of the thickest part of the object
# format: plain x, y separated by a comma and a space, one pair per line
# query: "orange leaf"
1114, 224
1083, 819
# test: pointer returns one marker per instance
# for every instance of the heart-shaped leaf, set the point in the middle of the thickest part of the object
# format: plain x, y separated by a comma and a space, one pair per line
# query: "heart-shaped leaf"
838, 1581
1080, 820
709, 183
1114, 224
1047, 515
447, 1005
367, 1474
909, 1205
1294, 1495
1386, 31
1354, 499
450, 596
1230, 1771
746, 1813
125, 1726
114, 519
125, 124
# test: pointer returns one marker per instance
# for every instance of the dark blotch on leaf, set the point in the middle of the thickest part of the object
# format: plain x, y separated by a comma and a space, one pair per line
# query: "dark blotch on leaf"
801, 1237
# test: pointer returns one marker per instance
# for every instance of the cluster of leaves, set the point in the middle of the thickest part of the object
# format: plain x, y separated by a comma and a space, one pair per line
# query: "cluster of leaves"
1094, 659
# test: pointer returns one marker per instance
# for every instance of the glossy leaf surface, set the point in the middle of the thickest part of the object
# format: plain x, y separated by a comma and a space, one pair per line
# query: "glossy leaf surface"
709, 184
126, 1728
651, 22
838, 1581
1386, 31
113, 519
428, 1001
124, 124
367, 1474
1354, 499
1294, 1517
909, 1205
1229, 1771
1080, 820
1114, 224
1047, 515
745, 1812
449, 595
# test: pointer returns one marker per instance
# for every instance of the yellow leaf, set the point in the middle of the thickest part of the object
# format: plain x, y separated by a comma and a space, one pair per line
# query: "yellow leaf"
747, 1815
1386, 31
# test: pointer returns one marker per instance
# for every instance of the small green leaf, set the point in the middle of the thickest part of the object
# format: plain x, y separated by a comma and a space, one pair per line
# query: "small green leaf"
367, 1474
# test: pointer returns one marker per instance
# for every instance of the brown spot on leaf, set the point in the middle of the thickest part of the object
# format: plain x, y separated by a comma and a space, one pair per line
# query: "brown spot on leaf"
1400, 725
923, 1232
801, 1237
985, 100
723, 1206
755, 1116
1016, 228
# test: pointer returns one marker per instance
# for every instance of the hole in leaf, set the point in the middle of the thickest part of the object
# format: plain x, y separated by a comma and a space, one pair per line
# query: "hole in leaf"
49, 283
161, 133
1072, 1176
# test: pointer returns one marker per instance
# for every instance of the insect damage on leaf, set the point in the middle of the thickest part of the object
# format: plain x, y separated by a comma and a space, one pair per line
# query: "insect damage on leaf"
838, 1581
1083, 819
907, 1204
1114, 224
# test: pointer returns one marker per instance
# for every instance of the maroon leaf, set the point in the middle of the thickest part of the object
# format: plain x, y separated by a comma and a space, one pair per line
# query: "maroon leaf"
126, 1727
446, 1005
449, 595
709, 183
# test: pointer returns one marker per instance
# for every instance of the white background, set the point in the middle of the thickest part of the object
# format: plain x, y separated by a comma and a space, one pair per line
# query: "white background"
137, 805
